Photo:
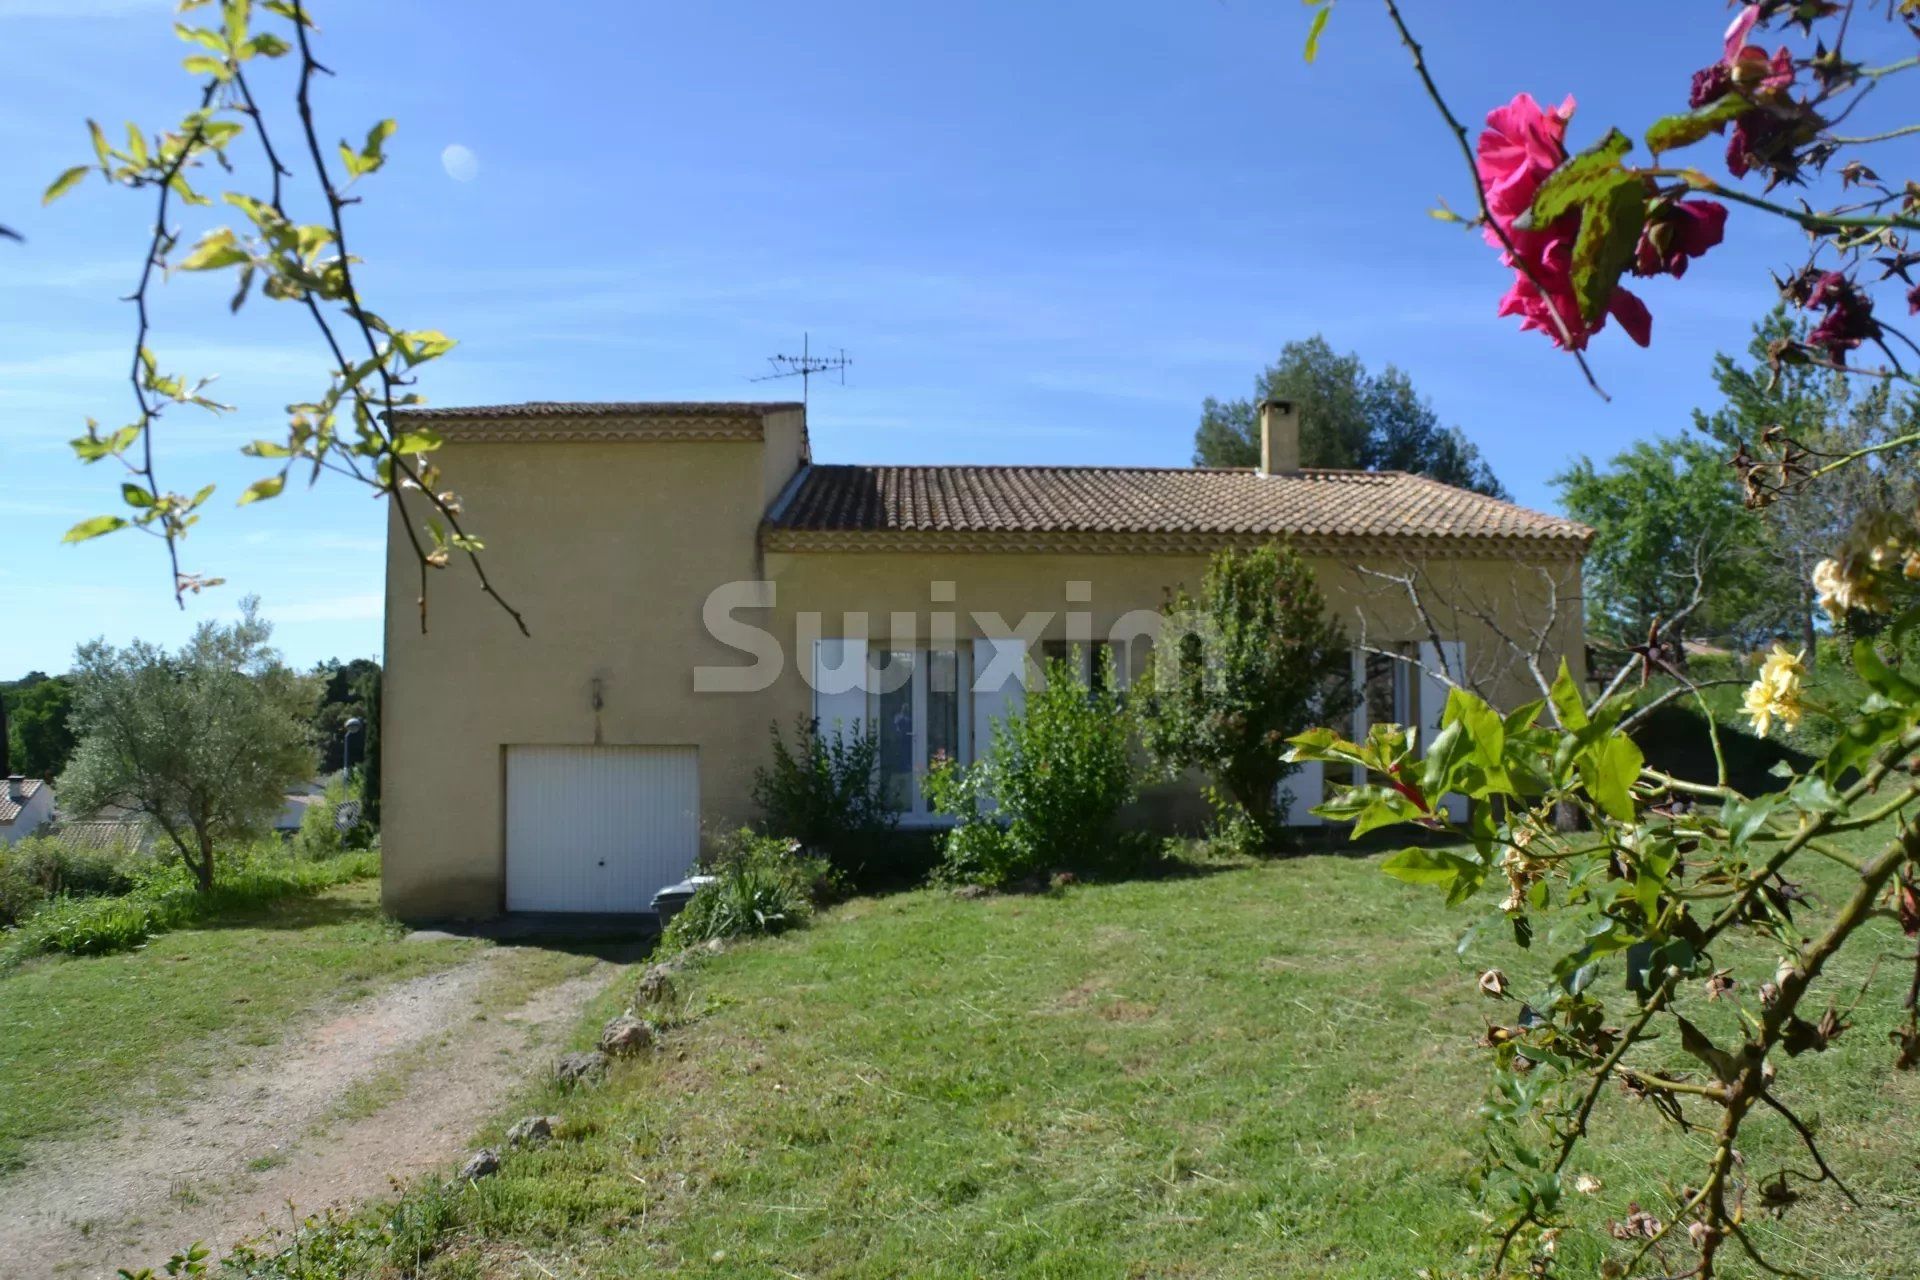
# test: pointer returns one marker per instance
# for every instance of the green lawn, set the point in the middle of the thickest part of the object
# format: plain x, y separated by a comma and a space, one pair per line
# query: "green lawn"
83, 1040
1266, 1071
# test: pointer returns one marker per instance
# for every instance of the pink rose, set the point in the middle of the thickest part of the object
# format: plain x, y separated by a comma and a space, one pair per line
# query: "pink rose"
1522, 144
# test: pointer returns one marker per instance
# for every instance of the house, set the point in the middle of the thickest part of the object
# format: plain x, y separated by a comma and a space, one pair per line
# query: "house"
690, 576
26, 805
293, 812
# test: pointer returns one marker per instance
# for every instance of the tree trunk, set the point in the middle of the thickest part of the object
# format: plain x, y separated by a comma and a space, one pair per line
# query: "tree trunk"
203, 866
1255, 796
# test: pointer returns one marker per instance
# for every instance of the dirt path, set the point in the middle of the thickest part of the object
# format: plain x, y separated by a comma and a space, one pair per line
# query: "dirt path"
383, 1089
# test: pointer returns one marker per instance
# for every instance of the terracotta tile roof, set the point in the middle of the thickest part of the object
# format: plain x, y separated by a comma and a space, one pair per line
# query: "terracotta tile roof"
1310, 504
9, 807
603, 409
106, 836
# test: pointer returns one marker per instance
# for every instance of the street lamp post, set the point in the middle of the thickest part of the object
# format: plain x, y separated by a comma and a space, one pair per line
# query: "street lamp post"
353, 726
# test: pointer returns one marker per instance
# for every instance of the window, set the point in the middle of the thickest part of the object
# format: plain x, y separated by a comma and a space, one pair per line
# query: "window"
1092, 661
921, 710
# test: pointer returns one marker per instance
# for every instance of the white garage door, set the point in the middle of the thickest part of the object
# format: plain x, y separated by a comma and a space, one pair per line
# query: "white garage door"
599, 828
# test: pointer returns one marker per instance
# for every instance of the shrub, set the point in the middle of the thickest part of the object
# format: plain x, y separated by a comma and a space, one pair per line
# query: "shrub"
1050, 790
60, 868
39, 868
168, 897
1251, 662
763, 885
20, 894
824, 791
321, 834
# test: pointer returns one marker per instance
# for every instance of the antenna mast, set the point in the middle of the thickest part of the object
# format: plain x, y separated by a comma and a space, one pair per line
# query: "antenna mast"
805, 365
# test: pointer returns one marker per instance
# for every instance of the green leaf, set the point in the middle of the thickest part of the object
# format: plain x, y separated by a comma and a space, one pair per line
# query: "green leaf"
205, 37
217, 249
1584, 178
1743, 818
205, 64
100, 147
1427, 866
1523, 717
1314, 29
265, 45
64, 183
1609, 233
419, 345
1450, 749
1881, 678
1609, 770
259, 489
266, 449
1567, 703
1862, 737
135, 496
1672, 132
1485, 731
93, 528
423, 440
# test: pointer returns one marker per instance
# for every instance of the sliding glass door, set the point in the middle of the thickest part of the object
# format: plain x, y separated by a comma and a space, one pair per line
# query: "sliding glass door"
920, 710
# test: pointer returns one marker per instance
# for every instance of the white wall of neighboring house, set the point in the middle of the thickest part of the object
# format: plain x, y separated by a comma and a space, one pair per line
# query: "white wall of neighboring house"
26, 806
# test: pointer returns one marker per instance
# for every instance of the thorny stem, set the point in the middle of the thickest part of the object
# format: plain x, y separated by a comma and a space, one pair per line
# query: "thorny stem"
1874, 878
1480, 189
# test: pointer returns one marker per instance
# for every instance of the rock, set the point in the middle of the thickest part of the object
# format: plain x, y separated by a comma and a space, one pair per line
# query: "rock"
532, 1131
581, 1068
657, 988
480, 1164
715, 946
626, 1035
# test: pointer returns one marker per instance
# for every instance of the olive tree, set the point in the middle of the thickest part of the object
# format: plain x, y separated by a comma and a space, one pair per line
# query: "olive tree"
1251, 661
204, 742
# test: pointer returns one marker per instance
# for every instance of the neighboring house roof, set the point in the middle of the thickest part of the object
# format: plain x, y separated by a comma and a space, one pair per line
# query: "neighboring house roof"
846, 507
106, 835
11, 808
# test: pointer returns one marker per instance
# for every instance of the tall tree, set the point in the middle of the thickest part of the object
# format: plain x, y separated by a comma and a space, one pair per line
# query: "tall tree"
1668, 526
1349, 417
1822, 411
342, 697
41, 739
204, 741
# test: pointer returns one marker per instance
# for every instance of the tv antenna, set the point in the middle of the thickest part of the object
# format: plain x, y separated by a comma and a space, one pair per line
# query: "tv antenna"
805, 365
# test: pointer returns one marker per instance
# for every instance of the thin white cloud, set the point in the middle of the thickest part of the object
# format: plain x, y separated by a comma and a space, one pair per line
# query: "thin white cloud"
348, 608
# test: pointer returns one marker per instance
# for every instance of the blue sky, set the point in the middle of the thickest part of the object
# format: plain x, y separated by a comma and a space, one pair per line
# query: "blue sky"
1043, 231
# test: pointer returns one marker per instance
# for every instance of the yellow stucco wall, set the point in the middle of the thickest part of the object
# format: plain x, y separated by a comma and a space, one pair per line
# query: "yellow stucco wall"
611, 549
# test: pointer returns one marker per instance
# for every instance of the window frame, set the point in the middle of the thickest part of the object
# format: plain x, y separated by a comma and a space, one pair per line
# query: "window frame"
918, 812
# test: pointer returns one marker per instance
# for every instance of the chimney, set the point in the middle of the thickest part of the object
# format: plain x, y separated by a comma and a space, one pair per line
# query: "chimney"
1279, 437
16, 787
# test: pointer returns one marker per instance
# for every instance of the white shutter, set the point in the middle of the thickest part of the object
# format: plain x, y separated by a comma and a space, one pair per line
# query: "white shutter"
840, 686
1451, 657
999, 686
